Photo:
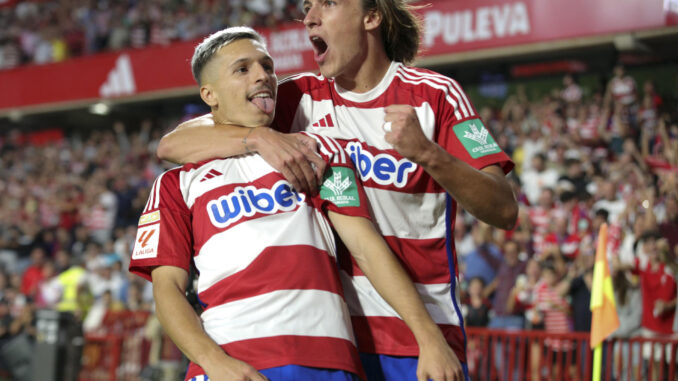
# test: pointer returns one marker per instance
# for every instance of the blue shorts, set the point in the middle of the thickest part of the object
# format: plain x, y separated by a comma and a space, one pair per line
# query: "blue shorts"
302, 373
393, 368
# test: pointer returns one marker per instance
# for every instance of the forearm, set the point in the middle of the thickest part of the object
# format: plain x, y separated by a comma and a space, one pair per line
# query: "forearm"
485, 194
183, 325
383, 270
489, 290
200, 139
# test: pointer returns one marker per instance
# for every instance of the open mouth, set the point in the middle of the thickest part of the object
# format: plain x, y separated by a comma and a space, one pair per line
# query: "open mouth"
263, 100
319, 47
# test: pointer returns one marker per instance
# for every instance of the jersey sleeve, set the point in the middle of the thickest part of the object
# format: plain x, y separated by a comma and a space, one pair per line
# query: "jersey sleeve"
462, 133
341, 190
164, 236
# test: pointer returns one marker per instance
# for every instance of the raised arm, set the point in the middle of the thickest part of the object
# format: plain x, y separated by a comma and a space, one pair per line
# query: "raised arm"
184, 327
437, 361
198, 139
486, 194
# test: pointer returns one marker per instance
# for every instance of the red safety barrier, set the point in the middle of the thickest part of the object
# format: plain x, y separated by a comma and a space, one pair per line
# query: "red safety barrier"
537, 355
120, 350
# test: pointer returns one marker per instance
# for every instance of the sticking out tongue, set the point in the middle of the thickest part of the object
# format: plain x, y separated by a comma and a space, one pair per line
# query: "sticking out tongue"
265, 104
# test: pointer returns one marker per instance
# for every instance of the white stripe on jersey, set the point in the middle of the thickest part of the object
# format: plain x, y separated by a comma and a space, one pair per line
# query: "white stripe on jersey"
406, 215
319, 77
260, 316
457, 105
451, 83
241, 244
154, 197
329, 147
436, 298
340, 154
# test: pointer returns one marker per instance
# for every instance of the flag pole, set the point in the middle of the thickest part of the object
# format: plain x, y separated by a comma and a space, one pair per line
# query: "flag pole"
597, 362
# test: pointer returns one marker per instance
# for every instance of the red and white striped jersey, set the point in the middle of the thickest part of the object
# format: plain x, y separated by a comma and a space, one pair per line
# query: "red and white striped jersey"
623, 90
265, 254
410, 209
555, 309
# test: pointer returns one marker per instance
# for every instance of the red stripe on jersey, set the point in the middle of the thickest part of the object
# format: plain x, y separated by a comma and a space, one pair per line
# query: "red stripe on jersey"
425, 260
271, 352
374, 335
305, 268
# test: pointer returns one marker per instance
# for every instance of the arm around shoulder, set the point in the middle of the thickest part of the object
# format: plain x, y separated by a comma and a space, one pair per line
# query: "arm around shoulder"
201, 139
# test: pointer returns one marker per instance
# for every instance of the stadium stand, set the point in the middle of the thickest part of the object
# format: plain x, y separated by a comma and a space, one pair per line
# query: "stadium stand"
41, 32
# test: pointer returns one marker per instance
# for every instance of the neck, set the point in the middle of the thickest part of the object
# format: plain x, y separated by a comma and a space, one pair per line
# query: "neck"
368, 73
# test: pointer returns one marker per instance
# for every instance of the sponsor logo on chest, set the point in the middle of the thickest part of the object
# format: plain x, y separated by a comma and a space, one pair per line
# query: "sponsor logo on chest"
249, 200
382, 168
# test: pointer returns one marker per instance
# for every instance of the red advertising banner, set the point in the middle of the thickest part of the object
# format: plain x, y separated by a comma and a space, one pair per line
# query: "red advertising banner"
451, 26
454, 26
7, 3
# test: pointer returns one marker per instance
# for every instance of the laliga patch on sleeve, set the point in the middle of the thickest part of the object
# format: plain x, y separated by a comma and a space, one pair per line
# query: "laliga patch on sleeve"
146, 245
475, 138
339, 187
149, 218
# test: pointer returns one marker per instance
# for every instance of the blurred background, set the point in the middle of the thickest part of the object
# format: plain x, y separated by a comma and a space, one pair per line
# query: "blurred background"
582, 94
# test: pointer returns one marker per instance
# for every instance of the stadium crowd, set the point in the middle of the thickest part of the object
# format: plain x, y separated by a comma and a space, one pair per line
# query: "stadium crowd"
583, 157
41, 32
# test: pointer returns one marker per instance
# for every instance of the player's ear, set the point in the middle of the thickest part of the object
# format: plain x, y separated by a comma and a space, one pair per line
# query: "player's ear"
372, 19
208, 95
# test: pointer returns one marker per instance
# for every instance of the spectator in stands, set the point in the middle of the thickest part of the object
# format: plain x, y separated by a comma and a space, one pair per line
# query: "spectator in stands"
556, 312
540, 216
16, 349
577, 287
51, 31
575, 178
560, 241
463, 241
610, 201
571, 92
538, 177
508, 272
657, 288
94, 319
505, 317
621, 90
669, 227
628, 298
33, 275
476, 306
484, 261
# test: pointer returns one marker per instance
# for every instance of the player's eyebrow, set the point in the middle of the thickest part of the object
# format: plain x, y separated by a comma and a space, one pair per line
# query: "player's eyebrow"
240, 61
